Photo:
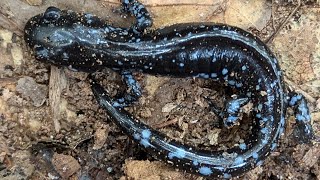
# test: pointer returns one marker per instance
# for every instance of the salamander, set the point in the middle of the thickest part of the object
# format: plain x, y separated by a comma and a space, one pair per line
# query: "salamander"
229, 55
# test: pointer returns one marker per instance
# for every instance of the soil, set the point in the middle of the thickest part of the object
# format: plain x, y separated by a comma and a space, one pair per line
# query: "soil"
51, 127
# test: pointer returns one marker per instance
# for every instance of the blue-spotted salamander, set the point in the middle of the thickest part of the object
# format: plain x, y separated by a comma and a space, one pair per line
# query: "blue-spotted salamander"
227, 54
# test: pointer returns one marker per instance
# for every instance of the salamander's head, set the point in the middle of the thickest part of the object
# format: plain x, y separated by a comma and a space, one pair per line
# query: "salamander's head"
47, 34
54, 36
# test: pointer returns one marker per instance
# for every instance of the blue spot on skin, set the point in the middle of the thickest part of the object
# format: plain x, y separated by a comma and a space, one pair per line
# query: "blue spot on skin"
239, 85
244, 68
180, 153
243, 146
205, 171
264, 141
145, 143
232, 119
264, 130
238, 160
273, 146
224, 71
234, 107
294, 99
214, 75
281, 131
281, 121
136, 136
232, 83
227, 176
146, 133
259, 163
274, 84
303, 113
144, 138
255, 155
204, 75
116, 104
300, 117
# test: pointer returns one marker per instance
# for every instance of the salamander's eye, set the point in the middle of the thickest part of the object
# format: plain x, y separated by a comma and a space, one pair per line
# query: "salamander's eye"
52, 14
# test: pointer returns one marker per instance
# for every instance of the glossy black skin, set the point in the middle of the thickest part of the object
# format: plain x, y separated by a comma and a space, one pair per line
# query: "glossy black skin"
227, 54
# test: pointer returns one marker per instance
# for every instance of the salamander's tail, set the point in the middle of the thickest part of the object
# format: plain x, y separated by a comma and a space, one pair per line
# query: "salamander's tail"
303, 130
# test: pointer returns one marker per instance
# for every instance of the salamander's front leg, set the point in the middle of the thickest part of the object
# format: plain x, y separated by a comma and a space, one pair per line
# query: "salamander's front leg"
134, 87
303, 119
138, 10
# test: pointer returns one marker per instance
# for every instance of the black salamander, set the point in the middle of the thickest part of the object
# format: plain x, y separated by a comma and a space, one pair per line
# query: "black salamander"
227, 54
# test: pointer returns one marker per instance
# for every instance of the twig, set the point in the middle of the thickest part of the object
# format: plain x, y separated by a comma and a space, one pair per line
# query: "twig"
299, 90
284, 22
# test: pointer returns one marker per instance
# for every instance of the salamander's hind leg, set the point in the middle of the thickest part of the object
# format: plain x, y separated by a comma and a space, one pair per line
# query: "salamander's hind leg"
134, 87
301, 111
138, 10
126, 98
232, 110
230, 114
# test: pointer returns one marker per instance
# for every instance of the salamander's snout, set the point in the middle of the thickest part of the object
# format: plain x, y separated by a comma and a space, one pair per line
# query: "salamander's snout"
52, 14
41, 53
50, 18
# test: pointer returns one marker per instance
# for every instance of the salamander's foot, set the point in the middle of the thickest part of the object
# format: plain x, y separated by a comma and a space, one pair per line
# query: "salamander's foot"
232, 111
128, 97
132, 84
230, 114
124, 101
138, 10
303, 131
134, 91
